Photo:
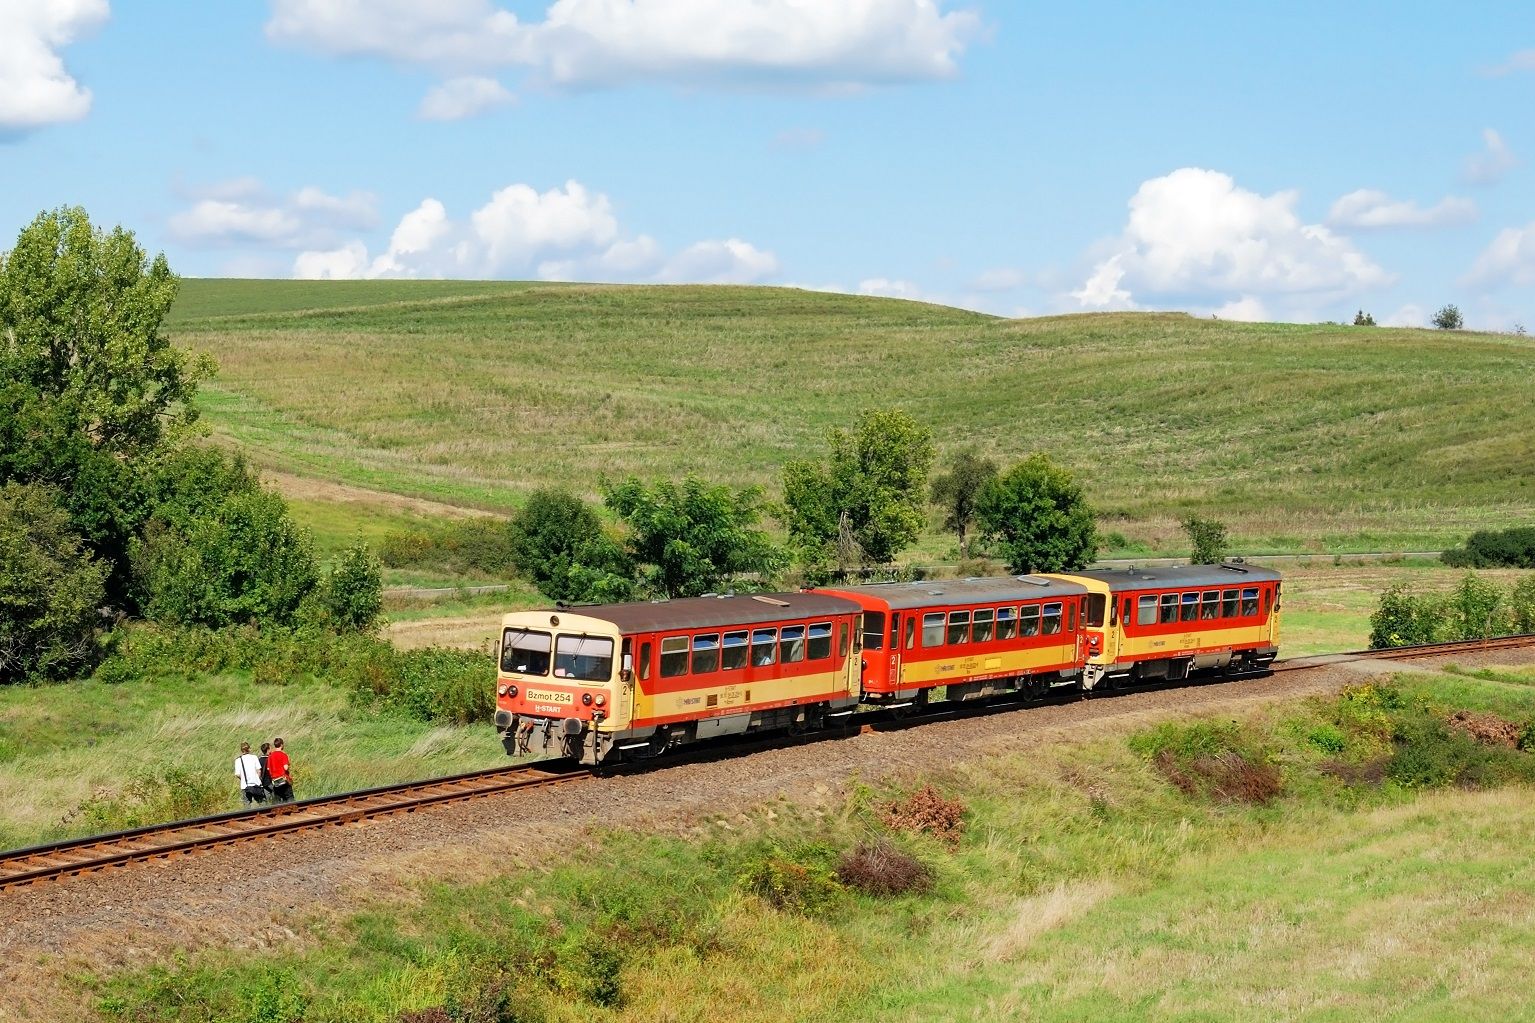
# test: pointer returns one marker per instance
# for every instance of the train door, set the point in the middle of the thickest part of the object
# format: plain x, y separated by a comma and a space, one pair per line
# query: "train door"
873, 660
635, 665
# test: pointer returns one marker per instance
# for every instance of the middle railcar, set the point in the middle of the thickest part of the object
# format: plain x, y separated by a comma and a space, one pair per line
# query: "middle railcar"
975, 637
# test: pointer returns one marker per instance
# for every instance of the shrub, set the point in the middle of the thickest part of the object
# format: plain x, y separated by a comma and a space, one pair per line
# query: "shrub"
50, 588
790, 886
1475, 609
162, 792
1503, 548
926, 810
1402, 619
1448, 318
882, 869
1207, 540
1487, 728
480, 545
1328, 738
1521, 605
352, 596
1210, 759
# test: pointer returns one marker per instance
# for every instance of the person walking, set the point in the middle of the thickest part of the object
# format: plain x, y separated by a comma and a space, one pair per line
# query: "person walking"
248, 771
266, 775
281, 769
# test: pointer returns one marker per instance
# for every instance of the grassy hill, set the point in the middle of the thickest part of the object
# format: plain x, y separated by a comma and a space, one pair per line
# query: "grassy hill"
472, 393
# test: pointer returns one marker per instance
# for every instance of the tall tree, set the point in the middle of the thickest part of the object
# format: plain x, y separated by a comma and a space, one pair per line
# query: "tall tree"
693, 537
90, 387
1039, 517
1207, 540
867, 502
956, 491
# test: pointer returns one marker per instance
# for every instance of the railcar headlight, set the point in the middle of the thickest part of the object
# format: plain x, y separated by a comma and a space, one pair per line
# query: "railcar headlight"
601, 700
501, 690
511, 690
586, 699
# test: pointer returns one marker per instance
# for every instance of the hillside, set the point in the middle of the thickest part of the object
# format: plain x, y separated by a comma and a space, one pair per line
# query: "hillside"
1299, 436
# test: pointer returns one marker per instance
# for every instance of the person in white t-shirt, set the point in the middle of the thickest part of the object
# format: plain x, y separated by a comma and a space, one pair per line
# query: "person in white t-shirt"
248, 771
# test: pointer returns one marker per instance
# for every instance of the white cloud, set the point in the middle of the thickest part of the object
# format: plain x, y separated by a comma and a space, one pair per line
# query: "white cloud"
565, 233
1247, 309
458, 98
1494, 161
887, 288
598, 43
1523, 60
1509, 260
1004, 278
243, 212
1369, 209
1409, 315
1194, 236
35, 87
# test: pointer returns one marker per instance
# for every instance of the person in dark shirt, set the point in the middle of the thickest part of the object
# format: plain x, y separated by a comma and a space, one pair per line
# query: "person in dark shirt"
281, 769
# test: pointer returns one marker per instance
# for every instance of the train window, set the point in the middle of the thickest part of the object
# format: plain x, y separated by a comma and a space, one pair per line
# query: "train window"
1169, 608
895, 631
706, 654
1147, 614
911, 631
1095, 608
820, 641
1268, 595
525, 651
1190, 607
1028, 620
1210, 605
583, 658
1071, 618
1052, 618
1007, 622
959, 627
842, 640
734, 655
873, 630
764, 647
644, 661
674, 656
1228, 603
983, 625
932, 629
791, 644
1249, 602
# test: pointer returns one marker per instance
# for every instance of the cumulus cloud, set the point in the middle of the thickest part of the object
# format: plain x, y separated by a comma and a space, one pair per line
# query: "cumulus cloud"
603, 43
565, 233
1509, 260
458, 98
1246, 309
243, 212
1409, 315
1494, 161
1195, 235
35, 87
1369, 209
1523, 60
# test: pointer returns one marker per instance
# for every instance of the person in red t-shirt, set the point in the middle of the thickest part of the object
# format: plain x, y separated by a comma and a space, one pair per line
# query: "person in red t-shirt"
281, 770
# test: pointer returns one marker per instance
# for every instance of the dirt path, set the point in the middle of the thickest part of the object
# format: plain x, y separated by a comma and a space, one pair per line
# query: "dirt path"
260, 896
307, 488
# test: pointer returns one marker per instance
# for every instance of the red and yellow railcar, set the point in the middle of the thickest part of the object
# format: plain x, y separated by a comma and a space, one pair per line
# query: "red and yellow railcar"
976, 637
1169, 623
616, 681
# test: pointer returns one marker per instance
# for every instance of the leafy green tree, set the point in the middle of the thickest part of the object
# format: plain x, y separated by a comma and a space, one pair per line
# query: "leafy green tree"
956, 491
1403, 619
1521, 604
50, 588
558, 541
352, 595
92, 387
866, 504
1363, 319
1476, 609
692, 537
1207, 540
1448, 318
1039, 517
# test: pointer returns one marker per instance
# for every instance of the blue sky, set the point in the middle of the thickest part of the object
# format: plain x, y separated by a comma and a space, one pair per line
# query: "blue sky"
1237, 160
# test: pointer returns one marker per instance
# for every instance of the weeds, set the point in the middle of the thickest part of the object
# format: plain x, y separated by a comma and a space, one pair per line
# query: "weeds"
880, 868
927, 811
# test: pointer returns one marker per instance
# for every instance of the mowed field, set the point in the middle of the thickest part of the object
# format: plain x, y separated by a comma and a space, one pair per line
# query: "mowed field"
1300, 437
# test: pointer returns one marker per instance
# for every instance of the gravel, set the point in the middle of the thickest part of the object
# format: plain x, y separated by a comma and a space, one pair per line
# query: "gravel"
261, 894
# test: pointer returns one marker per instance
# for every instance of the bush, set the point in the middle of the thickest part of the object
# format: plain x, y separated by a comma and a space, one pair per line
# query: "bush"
1502, 548
1521, 606
926, 810
352, 596
790, 886
1207, 540
50, 588
1448, 318
151, 795
1212, 760
484, 545
1475, 609
882, 869
1403, 619
558, 542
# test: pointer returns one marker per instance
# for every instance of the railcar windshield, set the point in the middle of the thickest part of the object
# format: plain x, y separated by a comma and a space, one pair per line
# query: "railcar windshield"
873, 630
1096, 602
526, 651
583, 658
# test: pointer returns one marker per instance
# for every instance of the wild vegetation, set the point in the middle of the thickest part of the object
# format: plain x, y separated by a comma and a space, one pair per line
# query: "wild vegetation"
1478, 608
1106, 879
479, 393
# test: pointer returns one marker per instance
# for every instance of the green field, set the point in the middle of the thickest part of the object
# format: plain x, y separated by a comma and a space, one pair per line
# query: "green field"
1301, 437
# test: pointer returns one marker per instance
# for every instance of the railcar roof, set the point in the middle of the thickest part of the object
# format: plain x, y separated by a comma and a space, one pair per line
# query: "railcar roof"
1227, 574
709, 612
944, 592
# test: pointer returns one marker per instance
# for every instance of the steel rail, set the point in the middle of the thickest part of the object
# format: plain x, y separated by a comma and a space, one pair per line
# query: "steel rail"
54, 860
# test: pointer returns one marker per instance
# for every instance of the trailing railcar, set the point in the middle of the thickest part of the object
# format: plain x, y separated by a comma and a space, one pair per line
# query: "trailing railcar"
1169, 623
976, 637
621, 681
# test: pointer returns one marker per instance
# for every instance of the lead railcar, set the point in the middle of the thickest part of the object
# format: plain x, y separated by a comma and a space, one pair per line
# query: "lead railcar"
620, 681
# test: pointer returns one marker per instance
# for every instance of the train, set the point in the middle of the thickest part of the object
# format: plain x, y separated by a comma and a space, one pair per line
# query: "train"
606, 684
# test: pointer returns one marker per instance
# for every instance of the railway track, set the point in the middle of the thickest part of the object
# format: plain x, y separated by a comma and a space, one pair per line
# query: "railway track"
36, 864
20, 867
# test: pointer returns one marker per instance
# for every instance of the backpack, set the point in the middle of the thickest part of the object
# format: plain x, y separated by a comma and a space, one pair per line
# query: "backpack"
266, 775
